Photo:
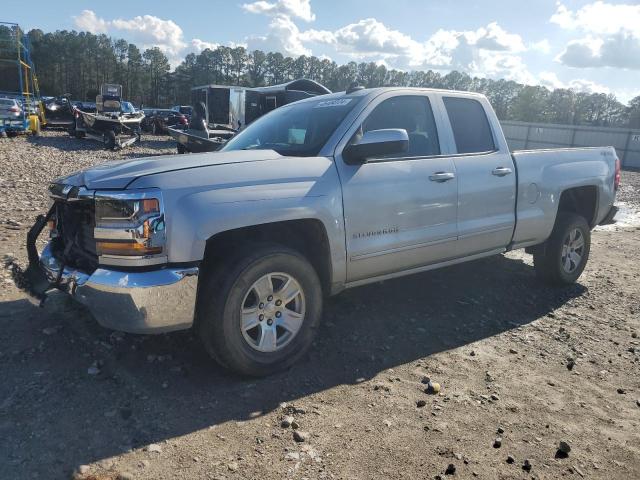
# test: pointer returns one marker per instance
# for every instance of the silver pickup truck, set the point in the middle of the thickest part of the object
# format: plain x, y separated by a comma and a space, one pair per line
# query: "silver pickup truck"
321, 195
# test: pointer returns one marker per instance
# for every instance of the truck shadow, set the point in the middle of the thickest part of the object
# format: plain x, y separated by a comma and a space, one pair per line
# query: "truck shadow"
153, 388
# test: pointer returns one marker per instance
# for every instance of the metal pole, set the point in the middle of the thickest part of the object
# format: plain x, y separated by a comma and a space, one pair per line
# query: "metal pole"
573, 136
19, 65
526, 140
626, 149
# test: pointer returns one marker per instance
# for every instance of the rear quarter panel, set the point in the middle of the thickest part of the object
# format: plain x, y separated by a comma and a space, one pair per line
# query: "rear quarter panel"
542, 177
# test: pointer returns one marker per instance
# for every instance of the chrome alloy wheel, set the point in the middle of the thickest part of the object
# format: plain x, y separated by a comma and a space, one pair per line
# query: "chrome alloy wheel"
572, 250
272, 312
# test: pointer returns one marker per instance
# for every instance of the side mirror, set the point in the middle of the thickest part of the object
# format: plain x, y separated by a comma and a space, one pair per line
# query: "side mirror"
375, 143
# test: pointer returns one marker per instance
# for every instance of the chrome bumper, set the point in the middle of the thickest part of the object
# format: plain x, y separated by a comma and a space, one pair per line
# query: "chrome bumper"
152, 301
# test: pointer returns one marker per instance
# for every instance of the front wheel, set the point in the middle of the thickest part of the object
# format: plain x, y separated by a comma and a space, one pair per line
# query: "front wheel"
564, 256
259, 314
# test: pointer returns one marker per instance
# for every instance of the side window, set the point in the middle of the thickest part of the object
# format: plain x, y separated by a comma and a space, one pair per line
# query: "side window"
412, 113
470, 125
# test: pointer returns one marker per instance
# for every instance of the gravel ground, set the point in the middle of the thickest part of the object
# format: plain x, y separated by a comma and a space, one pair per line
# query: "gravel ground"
522, 367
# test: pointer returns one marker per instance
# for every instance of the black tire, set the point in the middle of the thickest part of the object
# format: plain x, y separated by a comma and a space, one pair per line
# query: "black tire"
109, 139
548, 258
181, 149
221, 294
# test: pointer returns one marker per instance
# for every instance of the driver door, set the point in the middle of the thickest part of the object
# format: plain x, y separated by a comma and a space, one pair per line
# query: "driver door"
400, 210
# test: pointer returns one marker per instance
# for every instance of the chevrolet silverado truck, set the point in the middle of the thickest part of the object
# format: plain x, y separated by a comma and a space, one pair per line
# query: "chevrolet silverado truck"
318, 196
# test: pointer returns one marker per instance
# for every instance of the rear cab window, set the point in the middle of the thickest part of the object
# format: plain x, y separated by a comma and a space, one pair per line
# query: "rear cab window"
470, 125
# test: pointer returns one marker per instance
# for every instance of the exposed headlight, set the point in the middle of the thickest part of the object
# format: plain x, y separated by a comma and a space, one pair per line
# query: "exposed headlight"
129, 224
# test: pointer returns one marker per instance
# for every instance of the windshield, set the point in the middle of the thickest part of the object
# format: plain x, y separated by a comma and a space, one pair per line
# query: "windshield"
299, 129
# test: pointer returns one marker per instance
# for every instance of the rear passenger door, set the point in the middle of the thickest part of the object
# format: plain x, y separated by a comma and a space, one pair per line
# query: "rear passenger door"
486, 177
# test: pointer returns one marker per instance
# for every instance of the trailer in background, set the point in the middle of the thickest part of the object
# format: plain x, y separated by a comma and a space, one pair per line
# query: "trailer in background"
220, 111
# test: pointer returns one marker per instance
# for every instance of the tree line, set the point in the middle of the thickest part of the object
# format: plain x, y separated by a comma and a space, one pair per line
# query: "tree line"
79, 62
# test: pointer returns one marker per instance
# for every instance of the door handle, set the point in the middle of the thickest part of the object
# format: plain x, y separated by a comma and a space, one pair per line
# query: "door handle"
501, 171
442, 176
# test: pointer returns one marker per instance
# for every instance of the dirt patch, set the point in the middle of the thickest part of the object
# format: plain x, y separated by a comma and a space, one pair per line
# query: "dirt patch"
516, 361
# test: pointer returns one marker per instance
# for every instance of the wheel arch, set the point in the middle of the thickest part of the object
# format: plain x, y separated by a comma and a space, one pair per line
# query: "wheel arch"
307, 236
581, 200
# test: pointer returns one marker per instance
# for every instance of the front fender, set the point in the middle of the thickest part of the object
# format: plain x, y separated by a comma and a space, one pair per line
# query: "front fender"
203, 202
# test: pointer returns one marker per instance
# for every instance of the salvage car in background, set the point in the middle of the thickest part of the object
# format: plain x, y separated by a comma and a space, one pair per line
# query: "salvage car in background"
160, 120
59, 112
321, 195
186, 110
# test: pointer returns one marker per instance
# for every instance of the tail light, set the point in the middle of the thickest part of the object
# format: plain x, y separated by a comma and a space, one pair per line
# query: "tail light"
14, 109
618, 176
183, 120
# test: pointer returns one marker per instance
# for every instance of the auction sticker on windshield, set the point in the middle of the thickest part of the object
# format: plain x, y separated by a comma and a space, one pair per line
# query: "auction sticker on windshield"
333, 103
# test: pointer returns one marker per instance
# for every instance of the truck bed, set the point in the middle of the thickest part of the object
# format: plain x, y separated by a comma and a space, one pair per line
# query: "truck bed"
542, 177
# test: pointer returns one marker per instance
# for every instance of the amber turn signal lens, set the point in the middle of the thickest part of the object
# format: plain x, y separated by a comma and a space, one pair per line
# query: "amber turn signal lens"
126, 248
150, 205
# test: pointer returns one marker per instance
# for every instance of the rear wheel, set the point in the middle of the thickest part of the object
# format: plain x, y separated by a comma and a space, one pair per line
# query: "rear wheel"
181, 148
258, 313
562, 259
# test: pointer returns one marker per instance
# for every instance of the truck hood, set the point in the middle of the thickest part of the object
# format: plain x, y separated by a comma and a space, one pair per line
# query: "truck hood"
118, 175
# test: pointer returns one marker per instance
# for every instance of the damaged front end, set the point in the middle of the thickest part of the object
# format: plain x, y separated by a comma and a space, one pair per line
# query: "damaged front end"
33, 281
98, 254
69, 253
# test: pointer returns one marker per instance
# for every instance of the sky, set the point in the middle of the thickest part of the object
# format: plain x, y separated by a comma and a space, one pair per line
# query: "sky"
591, 46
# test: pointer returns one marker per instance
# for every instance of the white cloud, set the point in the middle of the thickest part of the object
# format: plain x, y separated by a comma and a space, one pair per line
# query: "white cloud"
621, 50
599, 17
551, 81
289, 8
493, 37
488, 51
500, 65
372, 39
90, 22
542, 46
199, 46
612, 35
283, 36
152, 31
149, 31
366, 38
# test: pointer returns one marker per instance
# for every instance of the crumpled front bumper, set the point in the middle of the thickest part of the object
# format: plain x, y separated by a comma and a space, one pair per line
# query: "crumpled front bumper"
152, 301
